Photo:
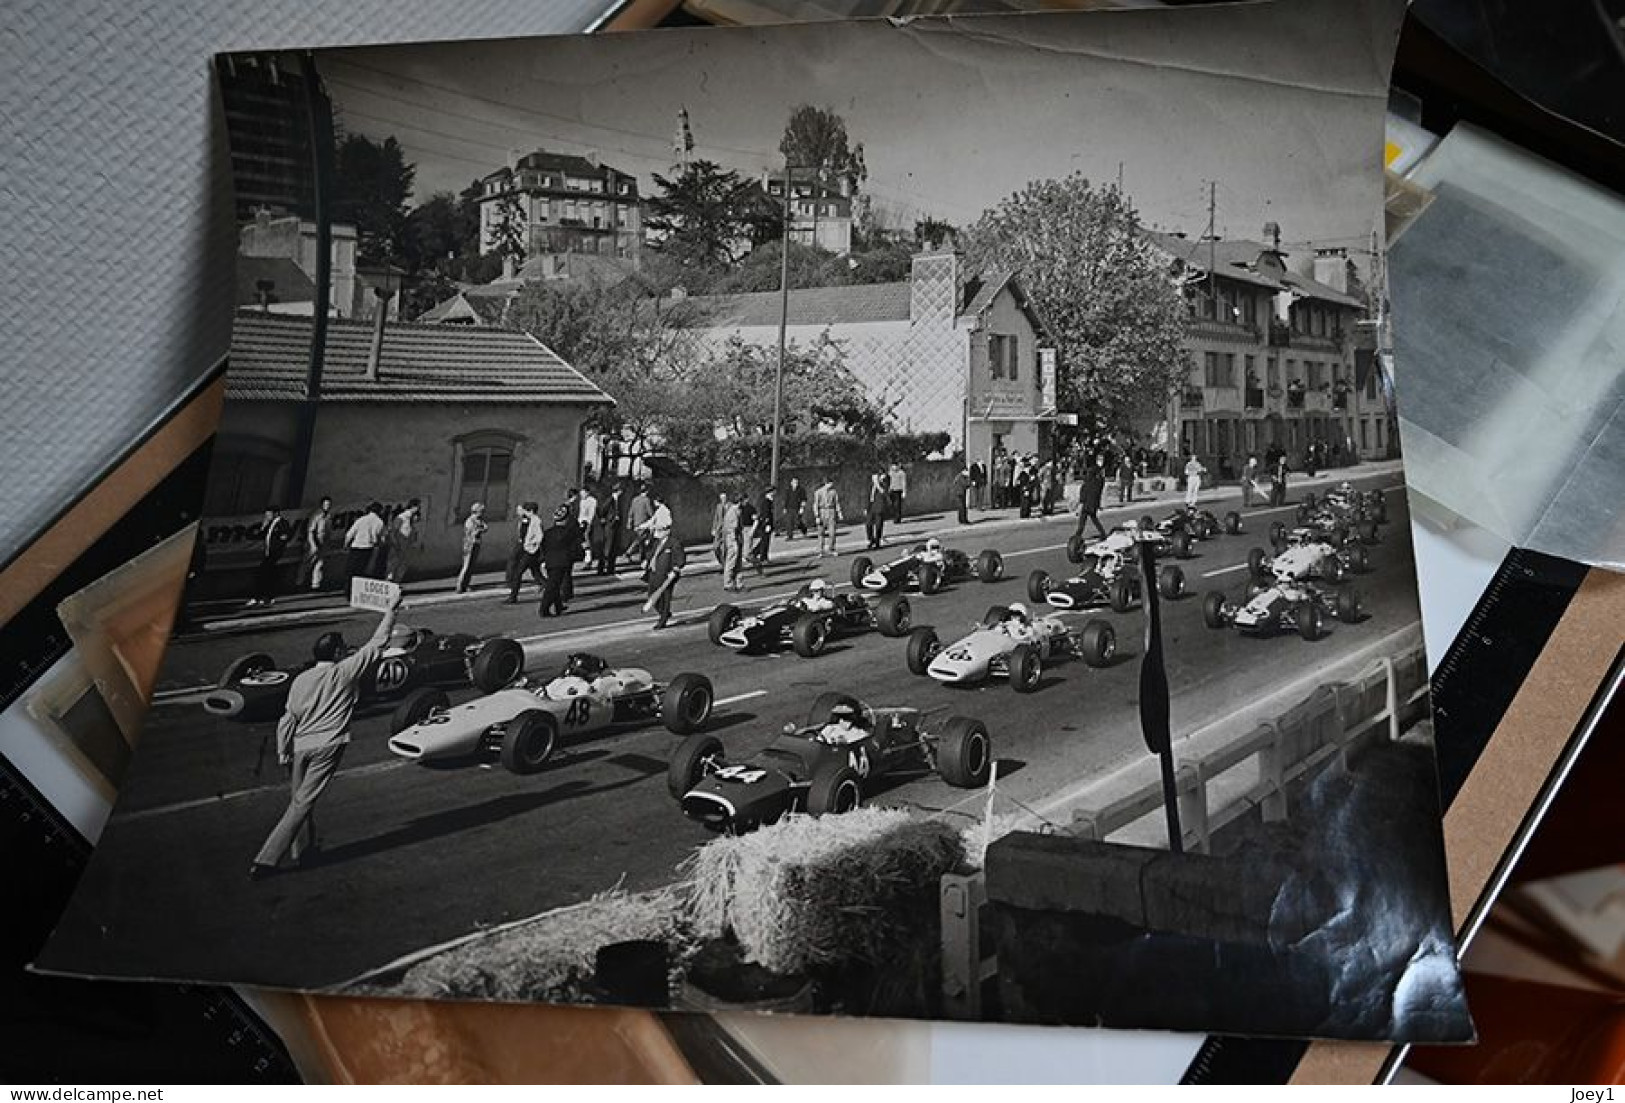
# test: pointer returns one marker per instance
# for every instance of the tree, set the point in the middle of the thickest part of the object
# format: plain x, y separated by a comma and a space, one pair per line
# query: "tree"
508, 234
815, 141
705, 215
933, 233
372, 181
1112, 307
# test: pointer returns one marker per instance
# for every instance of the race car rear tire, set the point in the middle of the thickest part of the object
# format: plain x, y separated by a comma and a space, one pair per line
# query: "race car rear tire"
1122, 594
1213, 609
1075, 545
1038, 586
1181, 541
923, 646
686, 706
1349, 606
810, 635
1307, 617
964, 753
1026, 668
861, 566
990, 566
529, 742
825, 703
930, 578
1333, 570
1232, 523
694, 758
1255, 562
416, 708
497, 664
255, 662
1098, 642
722, 618
1359, 559
834, 790
1171, 582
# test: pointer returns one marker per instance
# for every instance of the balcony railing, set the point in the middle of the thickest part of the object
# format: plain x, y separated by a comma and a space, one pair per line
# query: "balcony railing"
1280, 334
1294, 400
1191, 396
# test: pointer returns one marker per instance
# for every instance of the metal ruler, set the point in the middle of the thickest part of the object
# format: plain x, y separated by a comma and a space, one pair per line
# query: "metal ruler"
1472, 687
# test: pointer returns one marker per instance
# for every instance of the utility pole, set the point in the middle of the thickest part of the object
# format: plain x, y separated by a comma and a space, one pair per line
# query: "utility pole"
784, 325
1212, 246
319, 131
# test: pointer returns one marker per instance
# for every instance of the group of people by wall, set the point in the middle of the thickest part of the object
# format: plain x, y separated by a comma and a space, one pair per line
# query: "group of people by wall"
377, 544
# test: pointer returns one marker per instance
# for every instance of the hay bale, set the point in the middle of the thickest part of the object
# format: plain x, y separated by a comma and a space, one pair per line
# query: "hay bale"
829, 891
551, 958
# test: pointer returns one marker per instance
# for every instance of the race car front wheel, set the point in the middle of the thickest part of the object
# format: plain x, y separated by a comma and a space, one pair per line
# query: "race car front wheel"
1171, 582
1038, 587
722, 618
922, 648
990, 566
1213, 609
1232, 523
810, 636
834, 791
417, 707
893, 615
696, 756
529, 742
497, 665
1098, 642
1122, 594
1026, 668
861, 566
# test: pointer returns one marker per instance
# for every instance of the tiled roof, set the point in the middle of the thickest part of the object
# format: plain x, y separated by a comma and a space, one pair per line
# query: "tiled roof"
289, 284
420, 363
1236, 259
809, 306
564, 162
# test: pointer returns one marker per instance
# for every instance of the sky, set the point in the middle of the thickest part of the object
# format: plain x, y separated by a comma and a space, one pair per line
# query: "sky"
954, 115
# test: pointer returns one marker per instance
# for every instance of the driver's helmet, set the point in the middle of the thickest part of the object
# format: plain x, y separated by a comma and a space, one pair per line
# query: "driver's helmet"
1018, 611
1345, 487
845, 713
933, 546
818, 587
584, 665
401, 639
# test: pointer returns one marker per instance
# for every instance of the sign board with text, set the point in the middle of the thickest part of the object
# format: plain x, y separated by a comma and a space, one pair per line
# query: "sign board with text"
376, 594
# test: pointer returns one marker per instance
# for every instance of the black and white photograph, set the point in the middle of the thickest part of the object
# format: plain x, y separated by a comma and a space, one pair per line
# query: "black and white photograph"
880, 518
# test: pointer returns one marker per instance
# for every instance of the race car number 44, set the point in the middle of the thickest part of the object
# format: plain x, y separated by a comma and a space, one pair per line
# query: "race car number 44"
745, 775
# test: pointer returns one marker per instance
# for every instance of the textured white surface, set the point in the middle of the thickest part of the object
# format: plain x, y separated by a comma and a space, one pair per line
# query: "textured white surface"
115, 196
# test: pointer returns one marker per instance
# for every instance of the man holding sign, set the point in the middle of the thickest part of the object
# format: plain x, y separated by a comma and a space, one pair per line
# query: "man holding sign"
315, 727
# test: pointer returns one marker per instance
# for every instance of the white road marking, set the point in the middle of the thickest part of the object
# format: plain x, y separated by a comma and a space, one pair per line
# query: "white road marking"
738, 697
1224, 570
237, 794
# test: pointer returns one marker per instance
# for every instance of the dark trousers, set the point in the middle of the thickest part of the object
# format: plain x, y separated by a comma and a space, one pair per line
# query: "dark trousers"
555, 580
358, 562
1026, 501
1091, 514
761, 546
265, 579
875, 526
520, 561
465, 577
897, 505
607, 549
662, 604
964, 509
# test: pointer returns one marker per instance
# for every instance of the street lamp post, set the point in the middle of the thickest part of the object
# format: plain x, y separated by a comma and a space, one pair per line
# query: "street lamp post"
784, 325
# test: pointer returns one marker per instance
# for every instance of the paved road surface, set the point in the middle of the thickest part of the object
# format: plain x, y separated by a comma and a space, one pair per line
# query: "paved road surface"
417, 855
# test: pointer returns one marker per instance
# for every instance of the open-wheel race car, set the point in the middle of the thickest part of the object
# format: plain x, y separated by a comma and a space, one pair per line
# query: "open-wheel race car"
254, 687
1009, 643
1202, 524
1123, 539
927, 567
1348, 504
832, 764
1111, 579
524, 723
808, 621
1307, 559
1282, 605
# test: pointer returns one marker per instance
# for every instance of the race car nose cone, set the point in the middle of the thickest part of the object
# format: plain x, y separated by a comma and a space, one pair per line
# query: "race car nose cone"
223, 702
405, 748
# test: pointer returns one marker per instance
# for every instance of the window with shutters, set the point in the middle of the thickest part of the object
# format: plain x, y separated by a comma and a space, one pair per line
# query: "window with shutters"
483, 466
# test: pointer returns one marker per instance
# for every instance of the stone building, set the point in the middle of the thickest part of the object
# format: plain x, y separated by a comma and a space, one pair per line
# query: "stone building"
566, 204
1273, 355
941, 352
444, 414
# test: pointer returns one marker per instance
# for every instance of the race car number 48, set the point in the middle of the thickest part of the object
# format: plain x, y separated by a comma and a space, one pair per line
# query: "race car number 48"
579, 712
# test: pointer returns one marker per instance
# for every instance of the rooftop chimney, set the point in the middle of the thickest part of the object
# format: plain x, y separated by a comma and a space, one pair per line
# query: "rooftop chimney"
1332, 268
934, 287
1272, 235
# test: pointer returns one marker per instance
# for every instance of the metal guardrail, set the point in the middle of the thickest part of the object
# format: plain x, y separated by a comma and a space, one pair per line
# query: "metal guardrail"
1331, 723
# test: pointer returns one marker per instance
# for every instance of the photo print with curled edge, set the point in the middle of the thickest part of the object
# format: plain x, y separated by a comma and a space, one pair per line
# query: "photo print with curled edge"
780, 454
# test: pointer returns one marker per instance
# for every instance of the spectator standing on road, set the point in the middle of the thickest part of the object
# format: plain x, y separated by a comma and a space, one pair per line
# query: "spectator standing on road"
526, 553
605, 536
827, 513
361, 542
666, 560
561, 543
311, 737
1193, 481
1249, 480
637, 521
897, 484
586, 513
1090, 491
318, 527
1278, 488
1025, 478
1003, 479
1125, 479
405, 538
962, 485
879, 504
762, 541
1046, 487
978, 485
719, 521
732, 553
273, 542
795, 509
473, 533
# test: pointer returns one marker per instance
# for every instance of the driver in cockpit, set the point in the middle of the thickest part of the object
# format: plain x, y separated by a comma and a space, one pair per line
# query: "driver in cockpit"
846, 726
932, 552
1018, 624
817, 598
580, 671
